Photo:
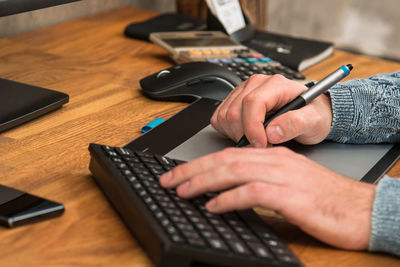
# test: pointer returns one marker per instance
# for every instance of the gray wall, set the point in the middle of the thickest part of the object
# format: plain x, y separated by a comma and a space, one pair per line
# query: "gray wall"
370, 27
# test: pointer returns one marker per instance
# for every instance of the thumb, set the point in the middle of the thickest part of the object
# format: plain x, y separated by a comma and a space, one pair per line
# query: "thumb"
286, 127
308, 125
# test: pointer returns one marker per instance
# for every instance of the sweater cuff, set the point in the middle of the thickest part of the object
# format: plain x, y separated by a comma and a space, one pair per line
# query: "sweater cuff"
343, 112
385, 232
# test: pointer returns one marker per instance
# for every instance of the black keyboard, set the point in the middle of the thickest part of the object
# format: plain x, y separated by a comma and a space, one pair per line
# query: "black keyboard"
180, 232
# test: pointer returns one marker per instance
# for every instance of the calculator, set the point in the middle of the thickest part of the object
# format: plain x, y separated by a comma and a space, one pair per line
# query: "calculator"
217, 47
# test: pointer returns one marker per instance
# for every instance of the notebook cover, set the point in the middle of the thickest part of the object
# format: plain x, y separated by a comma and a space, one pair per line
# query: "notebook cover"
20, 102
168, 22
288, 50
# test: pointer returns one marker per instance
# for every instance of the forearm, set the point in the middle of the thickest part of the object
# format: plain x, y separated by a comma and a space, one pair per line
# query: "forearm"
385, 232
366, 110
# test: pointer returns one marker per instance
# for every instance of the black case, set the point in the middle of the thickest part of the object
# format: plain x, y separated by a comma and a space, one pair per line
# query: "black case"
169, 22
20, 102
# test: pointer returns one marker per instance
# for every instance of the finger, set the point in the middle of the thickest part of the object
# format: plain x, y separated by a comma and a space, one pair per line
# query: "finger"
226, 170
184, 172
228, 118
224, 177
218, 120
233, 117
219, 113
251, 195
280, 91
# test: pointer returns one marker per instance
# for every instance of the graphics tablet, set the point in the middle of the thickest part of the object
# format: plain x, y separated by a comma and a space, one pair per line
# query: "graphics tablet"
188, 135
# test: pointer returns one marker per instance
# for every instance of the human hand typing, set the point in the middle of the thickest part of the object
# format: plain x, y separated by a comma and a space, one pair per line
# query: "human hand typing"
244, 110
328, 206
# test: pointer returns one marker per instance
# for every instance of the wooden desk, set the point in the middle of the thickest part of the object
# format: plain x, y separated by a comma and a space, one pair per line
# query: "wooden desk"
99, 68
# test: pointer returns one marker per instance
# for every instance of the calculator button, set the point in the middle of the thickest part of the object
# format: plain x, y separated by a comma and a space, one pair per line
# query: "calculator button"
195, 52
265, 59
251, 60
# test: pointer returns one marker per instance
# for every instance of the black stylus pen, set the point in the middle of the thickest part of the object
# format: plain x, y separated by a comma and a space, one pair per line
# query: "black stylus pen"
306, 97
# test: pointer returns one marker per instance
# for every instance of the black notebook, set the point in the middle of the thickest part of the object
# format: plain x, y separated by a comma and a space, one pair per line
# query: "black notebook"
296, 53
20, 102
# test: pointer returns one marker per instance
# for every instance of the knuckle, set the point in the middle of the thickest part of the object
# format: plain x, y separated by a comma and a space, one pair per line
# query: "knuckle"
232, 115
223, 155
180, 171
282, 150
251, 129
214, 120
199, 182
256, 190
250, 98
297, 121
277, 78
221, 115
317, 115
225, 199
256, 77
229, 151
238, 166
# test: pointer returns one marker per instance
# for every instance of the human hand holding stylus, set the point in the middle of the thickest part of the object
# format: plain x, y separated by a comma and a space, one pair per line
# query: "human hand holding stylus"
306, 97
243, 111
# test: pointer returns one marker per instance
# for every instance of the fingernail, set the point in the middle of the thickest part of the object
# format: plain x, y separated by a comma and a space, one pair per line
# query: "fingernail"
276, 132
166, 178
210, 205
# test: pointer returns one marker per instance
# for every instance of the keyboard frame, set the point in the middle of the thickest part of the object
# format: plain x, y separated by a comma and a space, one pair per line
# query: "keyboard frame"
151, 236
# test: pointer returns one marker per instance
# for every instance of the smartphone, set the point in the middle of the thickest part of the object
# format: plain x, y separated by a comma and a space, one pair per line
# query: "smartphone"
20, 208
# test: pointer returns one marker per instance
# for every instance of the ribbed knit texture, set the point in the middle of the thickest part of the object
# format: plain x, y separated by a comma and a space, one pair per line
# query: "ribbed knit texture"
385, 235
366, 110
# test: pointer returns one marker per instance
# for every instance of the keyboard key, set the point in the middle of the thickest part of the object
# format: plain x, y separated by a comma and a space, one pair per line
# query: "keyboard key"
196, 242
260, 250
239, 247
218, 244
177, 238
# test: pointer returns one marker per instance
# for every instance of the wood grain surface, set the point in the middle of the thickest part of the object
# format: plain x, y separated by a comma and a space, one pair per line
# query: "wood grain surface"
91, 60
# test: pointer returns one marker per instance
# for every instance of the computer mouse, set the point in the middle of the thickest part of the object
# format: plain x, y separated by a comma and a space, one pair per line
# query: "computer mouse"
190, 81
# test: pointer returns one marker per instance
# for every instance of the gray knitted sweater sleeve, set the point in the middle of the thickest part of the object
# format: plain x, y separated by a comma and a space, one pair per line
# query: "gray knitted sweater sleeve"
385, 232
368, 111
